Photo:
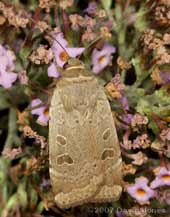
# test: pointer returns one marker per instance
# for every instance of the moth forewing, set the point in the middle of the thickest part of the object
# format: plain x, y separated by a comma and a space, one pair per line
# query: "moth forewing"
84, 153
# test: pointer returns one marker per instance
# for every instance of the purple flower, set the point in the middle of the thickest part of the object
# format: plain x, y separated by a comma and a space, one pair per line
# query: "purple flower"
41, 111
7, 76
127, 118
165, 134
91, 9
120, 213
101, 58
46, 183
141, 191
124, 101
23, 78
162, 178
52, 71
165, 76
62, 55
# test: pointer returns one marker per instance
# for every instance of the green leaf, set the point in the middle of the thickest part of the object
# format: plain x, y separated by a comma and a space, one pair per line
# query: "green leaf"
134, 94
33, 197
24, 53
22, 195
141, 22
12, 202
2, 178
40, 207
158, 102
140, 72
106, 4
118, 14
143, 107
153, 126
4, 99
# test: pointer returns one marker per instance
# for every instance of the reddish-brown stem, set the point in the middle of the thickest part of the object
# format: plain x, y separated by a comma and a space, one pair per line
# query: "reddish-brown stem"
35, 86
158, 121
162, 161
65, 22
126, 135
36, 18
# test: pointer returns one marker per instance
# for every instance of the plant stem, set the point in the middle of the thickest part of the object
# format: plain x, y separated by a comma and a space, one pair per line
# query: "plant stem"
12, 127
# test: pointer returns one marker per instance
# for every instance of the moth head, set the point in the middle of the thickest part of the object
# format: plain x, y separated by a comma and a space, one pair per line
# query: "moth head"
74, 63
74, 68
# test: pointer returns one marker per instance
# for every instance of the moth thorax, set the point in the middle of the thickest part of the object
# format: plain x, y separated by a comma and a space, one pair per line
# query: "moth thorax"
74, 64
75, 69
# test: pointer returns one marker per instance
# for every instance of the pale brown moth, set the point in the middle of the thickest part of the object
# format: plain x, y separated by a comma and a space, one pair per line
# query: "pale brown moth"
84, 152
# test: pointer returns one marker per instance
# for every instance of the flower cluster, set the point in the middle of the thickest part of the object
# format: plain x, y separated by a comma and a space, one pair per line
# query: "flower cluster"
41, 55
39, 109
62, 52
18, 20
7, 66
142, 192
102, 58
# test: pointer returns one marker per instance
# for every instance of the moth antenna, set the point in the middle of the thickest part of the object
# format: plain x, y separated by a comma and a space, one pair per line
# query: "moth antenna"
93, 42
58, 43
51, 37
35, 107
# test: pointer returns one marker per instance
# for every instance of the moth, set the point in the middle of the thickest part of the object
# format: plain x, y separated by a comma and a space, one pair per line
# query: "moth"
84, 153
